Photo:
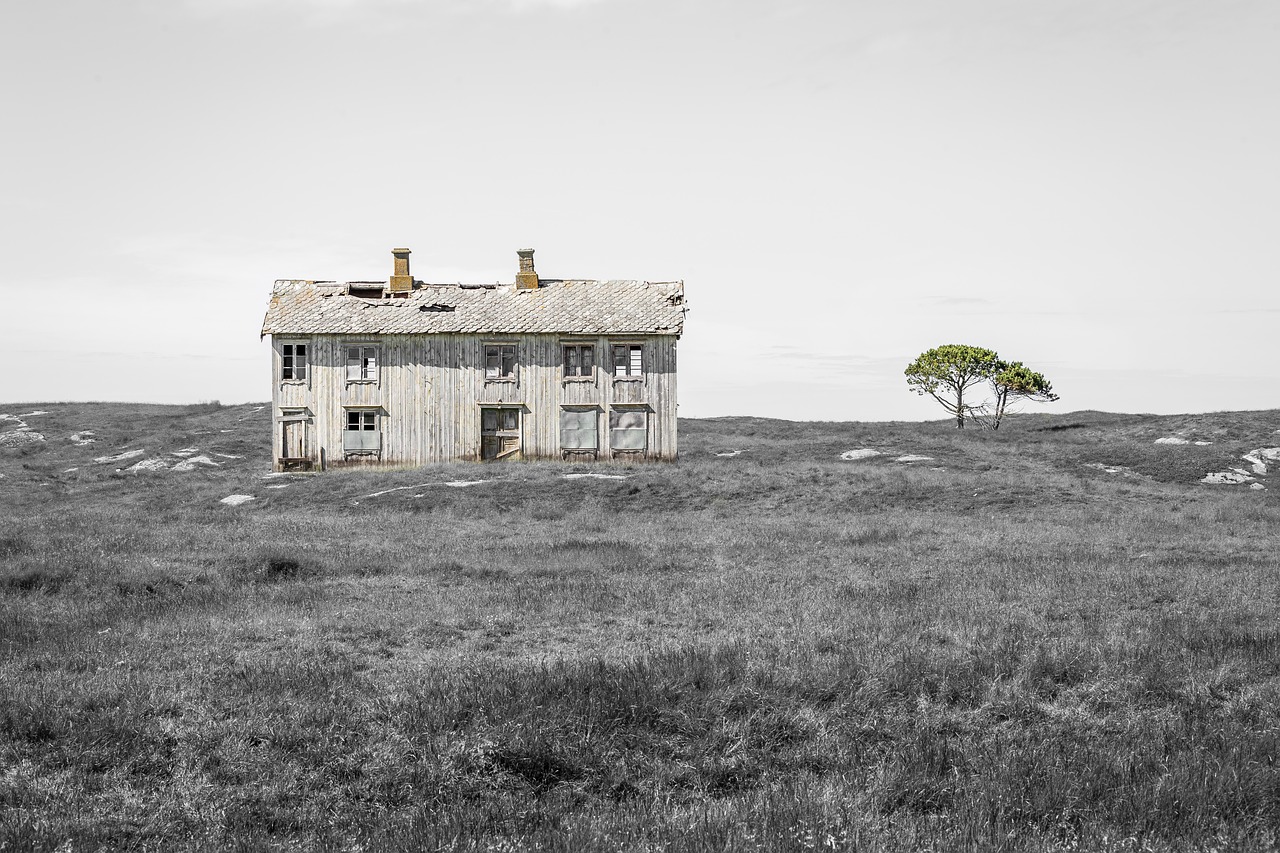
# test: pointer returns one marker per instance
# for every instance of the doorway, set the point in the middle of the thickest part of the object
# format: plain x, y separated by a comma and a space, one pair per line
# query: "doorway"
295, 446
499, 432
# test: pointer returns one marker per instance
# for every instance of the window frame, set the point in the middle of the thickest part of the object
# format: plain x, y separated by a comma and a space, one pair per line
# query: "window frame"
623, 409
514, 346
291, 366
579, 346
631, 347
362, 379
365, 414
570, 452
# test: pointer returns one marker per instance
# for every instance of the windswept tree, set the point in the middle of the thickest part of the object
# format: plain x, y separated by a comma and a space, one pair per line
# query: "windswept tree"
947, 372
1015, 381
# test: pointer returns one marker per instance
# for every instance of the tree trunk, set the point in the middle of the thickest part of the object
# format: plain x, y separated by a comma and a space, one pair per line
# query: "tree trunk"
960, 407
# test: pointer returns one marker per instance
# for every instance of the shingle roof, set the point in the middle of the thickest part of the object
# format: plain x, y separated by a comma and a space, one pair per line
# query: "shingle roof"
556, 306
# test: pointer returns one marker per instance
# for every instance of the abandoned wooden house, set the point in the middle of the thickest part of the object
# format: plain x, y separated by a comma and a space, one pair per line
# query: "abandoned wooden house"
405, 372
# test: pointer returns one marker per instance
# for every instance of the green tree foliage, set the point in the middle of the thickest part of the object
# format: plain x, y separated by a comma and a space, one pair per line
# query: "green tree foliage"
1015, 381
948, 374
945, 373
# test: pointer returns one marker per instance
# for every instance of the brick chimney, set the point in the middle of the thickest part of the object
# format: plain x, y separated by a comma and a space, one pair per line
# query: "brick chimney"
526, 278
401, 280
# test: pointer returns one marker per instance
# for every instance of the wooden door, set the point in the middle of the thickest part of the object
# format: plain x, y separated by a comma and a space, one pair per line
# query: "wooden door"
499, 433
295, 440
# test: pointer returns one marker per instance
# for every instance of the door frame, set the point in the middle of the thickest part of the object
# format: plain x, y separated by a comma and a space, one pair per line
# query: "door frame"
301, 416
501, 436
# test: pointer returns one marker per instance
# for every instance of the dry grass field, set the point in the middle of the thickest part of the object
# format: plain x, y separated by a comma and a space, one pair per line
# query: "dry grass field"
1053, 637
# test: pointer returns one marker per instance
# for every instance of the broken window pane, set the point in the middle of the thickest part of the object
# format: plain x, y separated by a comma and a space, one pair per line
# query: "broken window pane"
362, 363
628, 360
499, 361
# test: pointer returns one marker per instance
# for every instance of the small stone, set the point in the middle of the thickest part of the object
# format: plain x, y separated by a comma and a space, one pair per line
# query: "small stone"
119, 457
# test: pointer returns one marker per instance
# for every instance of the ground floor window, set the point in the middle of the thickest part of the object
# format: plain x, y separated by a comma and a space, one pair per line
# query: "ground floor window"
629, 430
579, 432
499, 432
361, 434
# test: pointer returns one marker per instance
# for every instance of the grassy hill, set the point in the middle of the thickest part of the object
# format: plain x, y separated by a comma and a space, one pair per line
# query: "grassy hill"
1050, 637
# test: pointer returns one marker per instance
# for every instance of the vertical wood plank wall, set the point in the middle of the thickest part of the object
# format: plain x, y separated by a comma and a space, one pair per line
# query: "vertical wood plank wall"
429, 390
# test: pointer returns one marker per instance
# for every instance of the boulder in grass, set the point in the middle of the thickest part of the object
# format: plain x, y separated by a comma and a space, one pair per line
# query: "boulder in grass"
1227, 478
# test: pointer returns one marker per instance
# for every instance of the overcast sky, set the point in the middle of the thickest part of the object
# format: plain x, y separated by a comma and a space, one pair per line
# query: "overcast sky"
1089, 186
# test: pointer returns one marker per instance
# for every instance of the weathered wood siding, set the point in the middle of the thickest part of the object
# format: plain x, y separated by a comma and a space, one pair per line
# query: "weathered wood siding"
429, 391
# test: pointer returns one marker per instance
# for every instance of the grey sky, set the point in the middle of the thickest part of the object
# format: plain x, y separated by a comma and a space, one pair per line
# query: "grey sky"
1088, 186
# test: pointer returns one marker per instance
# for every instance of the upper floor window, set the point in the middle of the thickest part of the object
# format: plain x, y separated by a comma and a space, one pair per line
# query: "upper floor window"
293, 362
628, 360
500, 361
362, 363
579, 361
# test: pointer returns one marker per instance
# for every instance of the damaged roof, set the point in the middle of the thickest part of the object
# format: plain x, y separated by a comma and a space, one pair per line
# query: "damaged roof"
555, 306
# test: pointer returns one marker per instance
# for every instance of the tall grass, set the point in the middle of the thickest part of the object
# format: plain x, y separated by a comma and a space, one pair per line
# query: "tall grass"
774, 651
